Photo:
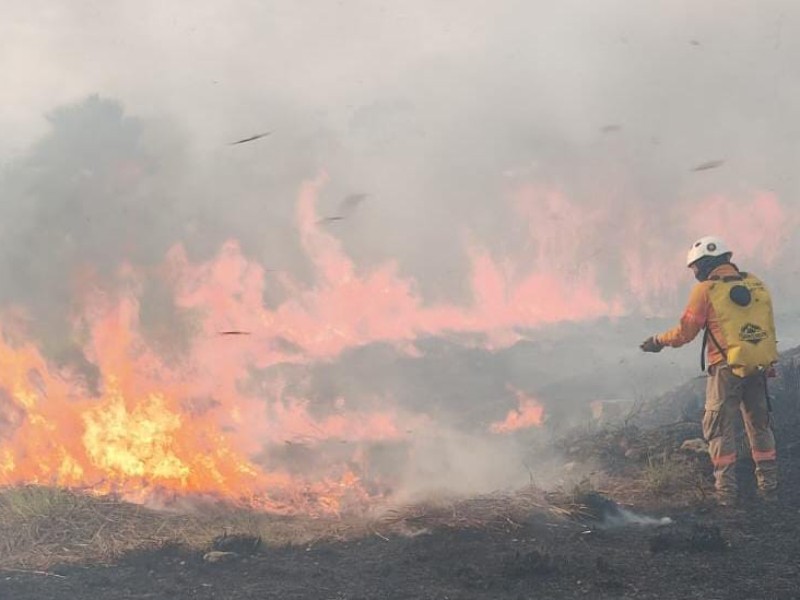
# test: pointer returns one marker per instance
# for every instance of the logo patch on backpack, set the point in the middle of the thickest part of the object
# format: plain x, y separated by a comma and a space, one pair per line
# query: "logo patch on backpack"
752, 333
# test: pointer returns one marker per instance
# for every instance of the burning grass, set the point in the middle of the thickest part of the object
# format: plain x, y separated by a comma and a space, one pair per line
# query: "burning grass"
42, 526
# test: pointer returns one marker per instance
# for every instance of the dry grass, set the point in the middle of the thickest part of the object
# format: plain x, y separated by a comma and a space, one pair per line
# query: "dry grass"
41, 526
499, 510
668, 475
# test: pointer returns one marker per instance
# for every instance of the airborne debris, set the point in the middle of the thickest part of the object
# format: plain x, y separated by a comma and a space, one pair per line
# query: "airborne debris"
613, 128
251, 138
329, 220
346, 208
711, 164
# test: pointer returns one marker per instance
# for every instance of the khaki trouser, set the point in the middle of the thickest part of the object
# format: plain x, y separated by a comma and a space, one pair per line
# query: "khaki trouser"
727, 394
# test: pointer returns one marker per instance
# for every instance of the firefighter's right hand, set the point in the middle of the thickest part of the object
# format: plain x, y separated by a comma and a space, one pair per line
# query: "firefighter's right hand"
651, 344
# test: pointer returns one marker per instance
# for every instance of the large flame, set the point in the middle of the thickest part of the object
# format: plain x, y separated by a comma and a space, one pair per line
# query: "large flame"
153, 431
208, 423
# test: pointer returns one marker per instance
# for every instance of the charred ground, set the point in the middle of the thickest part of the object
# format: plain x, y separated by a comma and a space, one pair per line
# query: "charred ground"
493, 549
746, 553
529, 544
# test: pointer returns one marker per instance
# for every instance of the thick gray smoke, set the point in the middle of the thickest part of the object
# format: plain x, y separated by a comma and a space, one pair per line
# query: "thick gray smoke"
118, 119
426, 108
434, 111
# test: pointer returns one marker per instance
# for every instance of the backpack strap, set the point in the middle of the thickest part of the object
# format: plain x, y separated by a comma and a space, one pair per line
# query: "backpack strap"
706, 335
703, 350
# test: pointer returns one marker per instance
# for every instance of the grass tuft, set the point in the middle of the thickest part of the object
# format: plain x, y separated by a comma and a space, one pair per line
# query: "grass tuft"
666, 475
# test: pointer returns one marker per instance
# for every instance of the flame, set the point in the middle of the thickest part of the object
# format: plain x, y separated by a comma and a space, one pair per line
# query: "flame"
213, 421
639, 252
144, 436
529, 413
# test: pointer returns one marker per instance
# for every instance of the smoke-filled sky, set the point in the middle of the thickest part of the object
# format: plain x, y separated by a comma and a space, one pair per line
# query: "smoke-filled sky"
549, 135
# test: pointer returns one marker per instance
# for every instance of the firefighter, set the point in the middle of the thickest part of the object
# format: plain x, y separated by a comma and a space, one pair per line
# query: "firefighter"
734, 309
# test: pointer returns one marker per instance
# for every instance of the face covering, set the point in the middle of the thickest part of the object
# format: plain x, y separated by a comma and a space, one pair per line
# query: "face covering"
708, 263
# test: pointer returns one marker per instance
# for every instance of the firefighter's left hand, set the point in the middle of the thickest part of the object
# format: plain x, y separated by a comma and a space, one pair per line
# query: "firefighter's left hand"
651, 345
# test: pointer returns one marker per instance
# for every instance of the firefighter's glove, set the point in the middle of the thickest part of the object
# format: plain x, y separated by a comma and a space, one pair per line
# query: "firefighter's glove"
651, 344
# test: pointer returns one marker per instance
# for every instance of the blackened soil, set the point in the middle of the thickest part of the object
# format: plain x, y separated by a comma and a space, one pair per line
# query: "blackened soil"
732, 554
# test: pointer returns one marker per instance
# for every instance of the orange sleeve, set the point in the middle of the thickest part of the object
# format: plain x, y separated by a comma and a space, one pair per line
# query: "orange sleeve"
693, 320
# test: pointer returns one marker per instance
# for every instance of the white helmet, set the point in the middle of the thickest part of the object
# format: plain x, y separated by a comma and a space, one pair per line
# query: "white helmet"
706, 246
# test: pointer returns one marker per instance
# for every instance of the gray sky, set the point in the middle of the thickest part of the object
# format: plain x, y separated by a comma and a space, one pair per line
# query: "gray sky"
219, 66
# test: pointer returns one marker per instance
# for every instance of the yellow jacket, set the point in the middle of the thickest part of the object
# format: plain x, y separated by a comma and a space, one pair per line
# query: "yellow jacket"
737, 310
697, 313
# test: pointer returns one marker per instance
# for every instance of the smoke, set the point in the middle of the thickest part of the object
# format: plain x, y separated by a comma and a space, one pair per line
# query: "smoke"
438, 132
528, 171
